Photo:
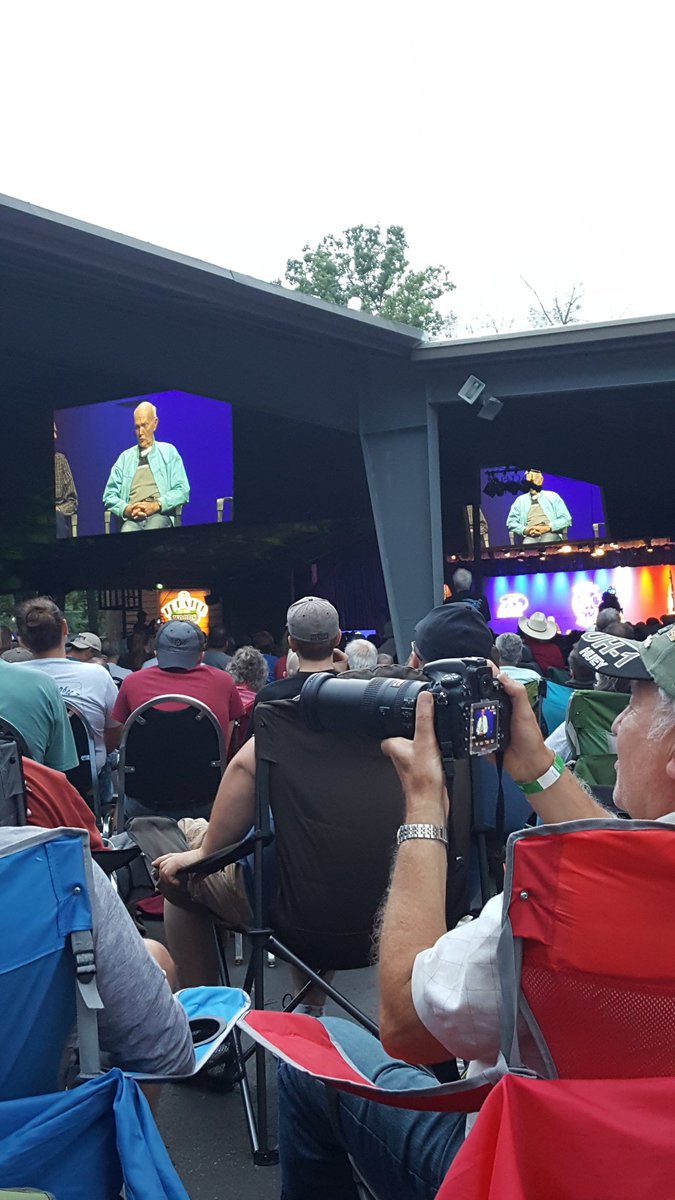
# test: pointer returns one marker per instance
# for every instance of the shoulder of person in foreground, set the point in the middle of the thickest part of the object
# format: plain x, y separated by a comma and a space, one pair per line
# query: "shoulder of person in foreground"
142, 1025
52, 802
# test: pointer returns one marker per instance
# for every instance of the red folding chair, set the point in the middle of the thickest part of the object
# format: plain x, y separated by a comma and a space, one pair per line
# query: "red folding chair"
587, 971
568, 1139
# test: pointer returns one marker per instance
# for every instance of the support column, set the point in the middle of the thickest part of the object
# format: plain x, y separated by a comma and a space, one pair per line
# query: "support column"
404, 480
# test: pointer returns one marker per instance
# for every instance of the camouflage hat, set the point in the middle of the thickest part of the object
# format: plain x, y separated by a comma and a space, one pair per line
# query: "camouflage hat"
626, 659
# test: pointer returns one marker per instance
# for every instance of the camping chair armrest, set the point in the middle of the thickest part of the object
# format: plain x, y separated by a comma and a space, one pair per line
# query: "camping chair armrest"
114, 859
223, 858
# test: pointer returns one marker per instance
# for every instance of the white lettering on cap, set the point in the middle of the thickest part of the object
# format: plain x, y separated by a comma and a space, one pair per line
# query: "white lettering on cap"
613, 648
591, 657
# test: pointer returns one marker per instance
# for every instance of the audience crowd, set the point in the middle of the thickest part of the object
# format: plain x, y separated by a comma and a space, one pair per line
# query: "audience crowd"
438, 996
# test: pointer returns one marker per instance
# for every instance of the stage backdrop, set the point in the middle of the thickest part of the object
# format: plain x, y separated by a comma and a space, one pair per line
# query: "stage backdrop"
92, 437
573, 598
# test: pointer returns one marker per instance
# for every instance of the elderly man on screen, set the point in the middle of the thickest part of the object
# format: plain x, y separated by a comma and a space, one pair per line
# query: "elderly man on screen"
148, 482
538, 516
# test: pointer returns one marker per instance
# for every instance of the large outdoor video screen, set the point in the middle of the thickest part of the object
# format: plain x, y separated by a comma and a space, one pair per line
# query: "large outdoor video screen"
573, 597
522, 506
143, 463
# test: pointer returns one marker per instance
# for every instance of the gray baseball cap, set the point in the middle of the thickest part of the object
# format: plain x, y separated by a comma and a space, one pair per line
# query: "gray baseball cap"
313, 620
85, 641
16, 654
627, 659
179, 644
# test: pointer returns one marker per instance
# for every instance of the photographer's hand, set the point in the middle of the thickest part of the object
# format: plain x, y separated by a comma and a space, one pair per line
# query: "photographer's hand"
414, 914
527, 757
419, 767
340, 662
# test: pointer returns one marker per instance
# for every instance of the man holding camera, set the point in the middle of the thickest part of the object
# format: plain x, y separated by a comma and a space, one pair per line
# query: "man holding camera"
440, 992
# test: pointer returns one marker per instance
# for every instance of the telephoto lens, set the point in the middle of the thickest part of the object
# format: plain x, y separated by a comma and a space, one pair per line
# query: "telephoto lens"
379, 708
471, 709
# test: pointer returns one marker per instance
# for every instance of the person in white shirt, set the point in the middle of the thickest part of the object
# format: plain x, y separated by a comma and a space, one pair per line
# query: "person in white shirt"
439, 990
85, 686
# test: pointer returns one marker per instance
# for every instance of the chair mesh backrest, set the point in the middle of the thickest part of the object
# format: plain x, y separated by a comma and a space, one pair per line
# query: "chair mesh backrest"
337, 804
590, 718
590, 902
597, 770
172, 758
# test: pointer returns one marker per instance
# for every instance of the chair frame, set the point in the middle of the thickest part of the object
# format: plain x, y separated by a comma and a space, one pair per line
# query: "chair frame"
137, 717
8, 730
263, 942
89, 757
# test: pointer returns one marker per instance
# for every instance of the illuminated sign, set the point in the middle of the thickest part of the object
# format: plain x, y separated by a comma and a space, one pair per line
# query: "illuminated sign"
512, 604
185, 606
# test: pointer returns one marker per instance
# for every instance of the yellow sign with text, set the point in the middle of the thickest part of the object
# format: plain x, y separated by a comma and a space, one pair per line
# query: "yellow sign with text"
185, 605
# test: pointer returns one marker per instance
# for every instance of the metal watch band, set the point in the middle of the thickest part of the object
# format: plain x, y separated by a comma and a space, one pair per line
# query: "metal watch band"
432, 833
547, 779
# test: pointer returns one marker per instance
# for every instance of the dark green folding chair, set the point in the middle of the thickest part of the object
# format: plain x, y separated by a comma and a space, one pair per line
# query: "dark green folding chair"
590, 717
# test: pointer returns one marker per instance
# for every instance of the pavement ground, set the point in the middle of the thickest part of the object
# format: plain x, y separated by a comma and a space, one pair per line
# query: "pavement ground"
205, 1131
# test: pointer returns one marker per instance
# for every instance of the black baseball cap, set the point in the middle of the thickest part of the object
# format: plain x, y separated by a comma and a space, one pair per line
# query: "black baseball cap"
179, 644
625, 658
453, 631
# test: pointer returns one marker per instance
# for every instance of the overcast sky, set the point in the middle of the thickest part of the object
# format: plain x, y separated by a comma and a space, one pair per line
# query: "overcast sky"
523, 138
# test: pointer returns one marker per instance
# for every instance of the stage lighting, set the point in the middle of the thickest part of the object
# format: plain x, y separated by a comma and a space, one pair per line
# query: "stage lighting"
490, 408
471, 389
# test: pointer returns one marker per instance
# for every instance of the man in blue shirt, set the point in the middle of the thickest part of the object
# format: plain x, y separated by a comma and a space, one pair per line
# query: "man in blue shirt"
539, 516
148, 482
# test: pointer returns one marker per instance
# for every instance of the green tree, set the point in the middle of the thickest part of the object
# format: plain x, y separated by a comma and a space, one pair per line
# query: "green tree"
363, 265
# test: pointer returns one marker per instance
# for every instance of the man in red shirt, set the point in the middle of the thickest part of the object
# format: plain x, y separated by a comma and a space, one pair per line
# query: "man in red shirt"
180, 670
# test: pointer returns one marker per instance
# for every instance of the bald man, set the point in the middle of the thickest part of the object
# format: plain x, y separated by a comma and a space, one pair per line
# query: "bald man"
148, 482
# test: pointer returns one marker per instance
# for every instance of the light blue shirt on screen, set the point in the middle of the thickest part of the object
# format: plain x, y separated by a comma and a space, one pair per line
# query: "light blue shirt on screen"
167, 467
557, 512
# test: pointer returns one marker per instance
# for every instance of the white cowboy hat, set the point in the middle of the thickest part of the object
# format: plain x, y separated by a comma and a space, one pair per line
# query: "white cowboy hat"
538, 626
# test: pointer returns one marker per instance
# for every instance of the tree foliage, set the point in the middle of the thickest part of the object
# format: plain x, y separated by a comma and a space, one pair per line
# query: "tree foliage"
362, 265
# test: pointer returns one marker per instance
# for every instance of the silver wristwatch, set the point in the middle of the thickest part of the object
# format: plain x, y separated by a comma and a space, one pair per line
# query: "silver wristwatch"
433, 833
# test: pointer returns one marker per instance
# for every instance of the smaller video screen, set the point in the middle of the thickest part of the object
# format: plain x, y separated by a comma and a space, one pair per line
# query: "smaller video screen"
484, 728
573, 598
143, 463
526, 506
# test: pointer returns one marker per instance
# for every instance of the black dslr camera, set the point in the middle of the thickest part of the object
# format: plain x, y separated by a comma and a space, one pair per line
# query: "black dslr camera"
471, 715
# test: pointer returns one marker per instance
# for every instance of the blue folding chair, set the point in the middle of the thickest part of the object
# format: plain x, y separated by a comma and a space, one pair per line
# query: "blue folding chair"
88, 1143
555, 699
